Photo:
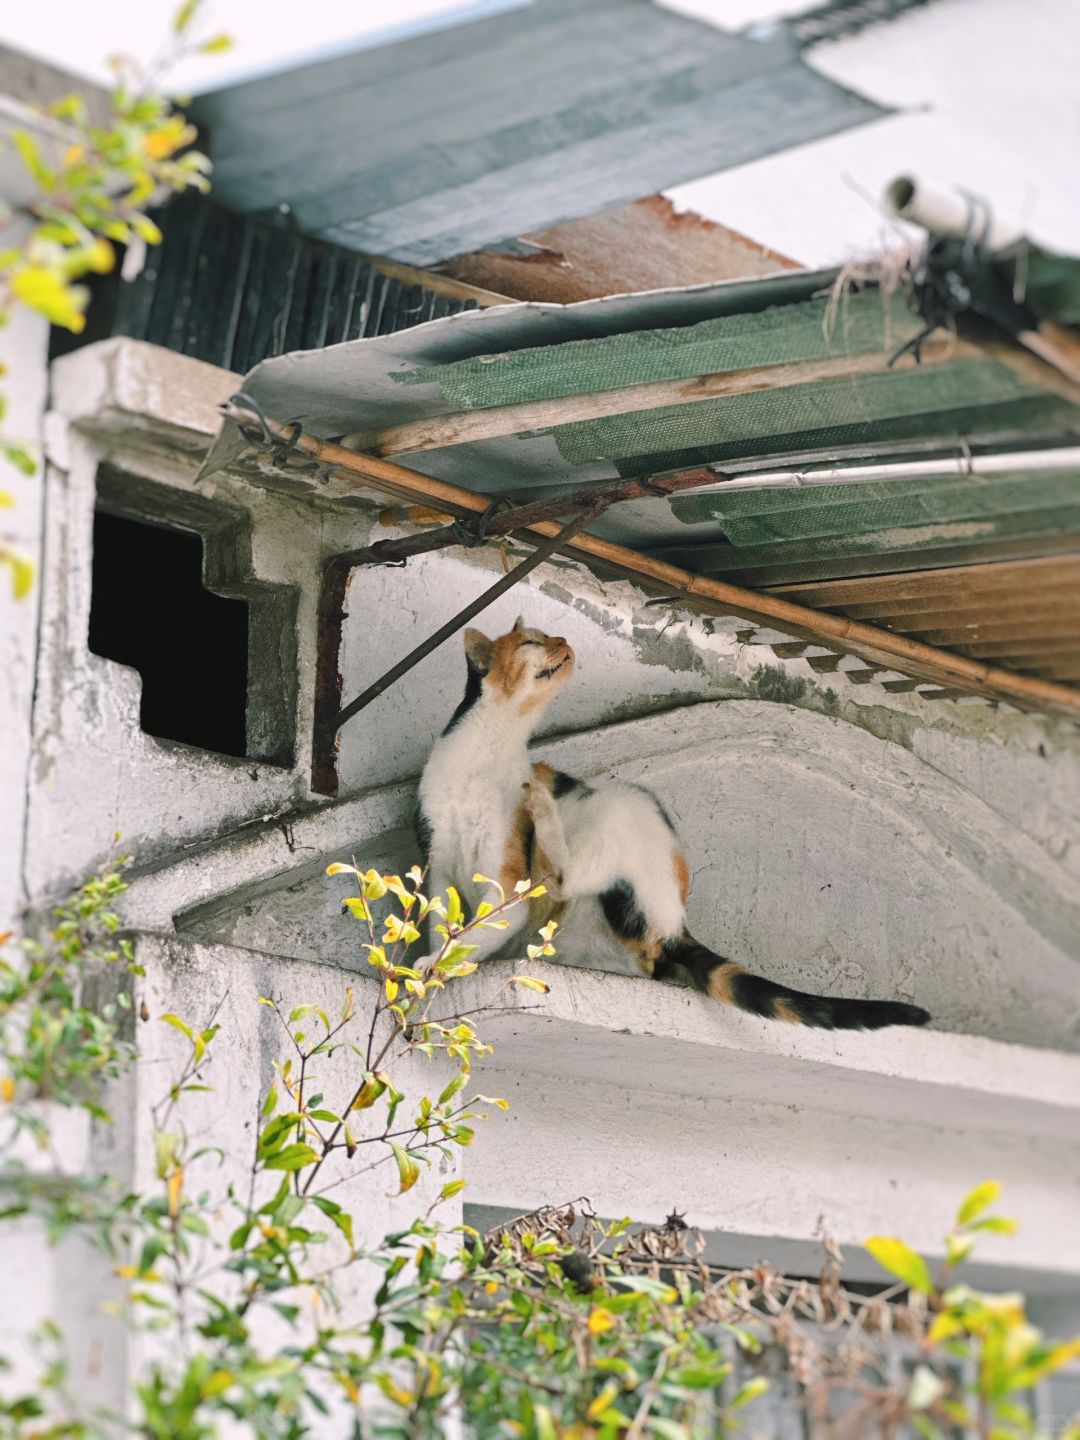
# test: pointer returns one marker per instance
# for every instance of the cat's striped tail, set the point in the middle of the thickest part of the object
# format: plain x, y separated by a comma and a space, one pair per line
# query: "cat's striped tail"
732, 985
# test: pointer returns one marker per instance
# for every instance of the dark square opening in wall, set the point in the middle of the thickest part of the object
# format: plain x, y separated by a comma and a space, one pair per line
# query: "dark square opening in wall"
150, 610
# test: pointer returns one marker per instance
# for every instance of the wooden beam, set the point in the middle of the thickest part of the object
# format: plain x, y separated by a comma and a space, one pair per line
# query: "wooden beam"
990, 612
1032, 648
443, 285
469, 426
879, 647
1056, 366
1047, 591
963, 580
993, 629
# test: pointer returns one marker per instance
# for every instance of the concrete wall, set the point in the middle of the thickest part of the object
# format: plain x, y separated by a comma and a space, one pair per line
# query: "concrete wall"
841, 837
23, 356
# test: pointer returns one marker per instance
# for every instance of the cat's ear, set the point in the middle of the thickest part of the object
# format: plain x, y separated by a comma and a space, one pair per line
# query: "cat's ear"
519, 623
479, 650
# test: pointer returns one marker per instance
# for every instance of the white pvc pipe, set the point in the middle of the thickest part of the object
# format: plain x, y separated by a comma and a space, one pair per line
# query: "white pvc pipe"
944, 212
975, 467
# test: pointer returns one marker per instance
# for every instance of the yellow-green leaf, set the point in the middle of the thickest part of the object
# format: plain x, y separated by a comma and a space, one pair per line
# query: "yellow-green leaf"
408, 1169
604, 1401
22, 571
996, 1225
48, 292
372, 1088
499, 1104
750, 1391
454, 911
900, 1260
184, 15
178, 1024
978, 1200
529, 983
958, 1247
292, 1157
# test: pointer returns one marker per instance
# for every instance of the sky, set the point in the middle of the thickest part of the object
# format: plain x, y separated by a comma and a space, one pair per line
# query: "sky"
265, 34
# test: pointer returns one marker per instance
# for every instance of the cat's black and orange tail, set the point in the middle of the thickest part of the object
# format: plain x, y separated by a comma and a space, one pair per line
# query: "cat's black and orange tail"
732, 985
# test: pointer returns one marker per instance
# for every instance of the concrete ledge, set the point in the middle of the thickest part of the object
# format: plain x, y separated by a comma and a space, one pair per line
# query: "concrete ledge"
620, 1029
120, 385
645, 1097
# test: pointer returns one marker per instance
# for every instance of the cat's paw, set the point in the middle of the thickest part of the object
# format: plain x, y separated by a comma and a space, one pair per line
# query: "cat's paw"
538, 801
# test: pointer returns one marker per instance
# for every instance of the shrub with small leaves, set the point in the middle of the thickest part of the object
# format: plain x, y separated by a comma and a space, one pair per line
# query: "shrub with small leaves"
1008, 1355
57, 1043
92, 184
556, 1326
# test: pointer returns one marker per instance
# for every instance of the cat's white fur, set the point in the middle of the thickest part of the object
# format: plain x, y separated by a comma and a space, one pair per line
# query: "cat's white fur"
479, 775
606, 852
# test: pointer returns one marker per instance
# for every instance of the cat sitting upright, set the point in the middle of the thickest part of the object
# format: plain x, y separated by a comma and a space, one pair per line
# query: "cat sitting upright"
486, 808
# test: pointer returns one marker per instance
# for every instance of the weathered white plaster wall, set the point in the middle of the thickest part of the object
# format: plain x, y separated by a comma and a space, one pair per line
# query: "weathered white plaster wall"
23, 356
149, 413
841, 837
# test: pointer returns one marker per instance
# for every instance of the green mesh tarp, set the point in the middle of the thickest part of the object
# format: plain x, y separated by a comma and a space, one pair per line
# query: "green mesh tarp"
862, 510
790, 560
788, 531
862, 324
1033, 414
953, 397
759, 417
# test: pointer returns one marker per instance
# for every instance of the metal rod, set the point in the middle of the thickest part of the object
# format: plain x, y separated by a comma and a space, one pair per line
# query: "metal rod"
511, 578
960, 467
519, 517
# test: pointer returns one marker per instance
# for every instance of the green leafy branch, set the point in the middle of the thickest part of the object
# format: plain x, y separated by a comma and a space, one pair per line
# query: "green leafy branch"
92, 184
1011, 1354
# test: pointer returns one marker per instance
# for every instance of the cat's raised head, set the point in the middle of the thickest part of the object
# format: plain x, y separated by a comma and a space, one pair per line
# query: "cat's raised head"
524, 667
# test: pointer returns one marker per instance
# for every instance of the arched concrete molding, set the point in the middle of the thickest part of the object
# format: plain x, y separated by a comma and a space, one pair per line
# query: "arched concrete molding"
838, 862
228, 570
821, 856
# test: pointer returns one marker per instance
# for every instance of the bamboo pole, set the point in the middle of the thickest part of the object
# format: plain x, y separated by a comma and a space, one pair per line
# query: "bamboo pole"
880, 647
466, 427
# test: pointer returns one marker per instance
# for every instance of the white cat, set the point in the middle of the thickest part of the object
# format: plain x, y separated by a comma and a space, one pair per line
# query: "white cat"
485, 808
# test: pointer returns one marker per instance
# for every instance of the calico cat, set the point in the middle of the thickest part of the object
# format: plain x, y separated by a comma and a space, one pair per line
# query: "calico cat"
486, 808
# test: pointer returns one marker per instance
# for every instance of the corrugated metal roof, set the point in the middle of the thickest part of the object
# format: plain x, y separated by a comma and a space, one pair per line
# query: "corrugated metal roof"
235, 289
454, 139
777, 379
